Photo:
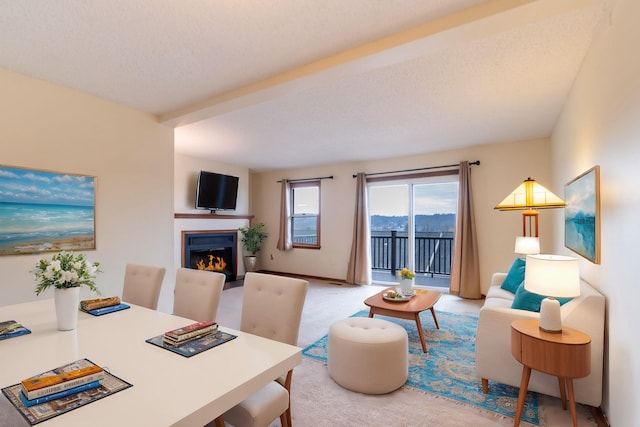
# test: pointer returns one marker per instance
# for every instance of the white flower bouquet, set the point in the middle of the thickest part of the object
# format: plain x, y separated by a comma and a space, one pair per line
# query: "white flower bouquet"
66, 270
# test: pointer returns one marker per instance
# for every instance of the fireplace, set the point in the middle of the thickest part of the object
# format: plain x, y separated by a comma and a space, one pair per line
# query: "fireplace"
211, 251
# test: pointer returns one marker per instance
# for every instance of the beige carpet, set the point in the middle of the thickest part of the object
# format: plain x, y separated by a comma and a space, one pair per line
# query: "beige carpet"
317, 401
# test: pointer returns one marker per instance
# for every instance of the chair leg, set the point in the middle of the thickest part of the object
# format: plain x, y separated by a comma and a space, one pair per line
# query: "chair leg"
219, 421
287, 414
283, 420
287, 385
485, 385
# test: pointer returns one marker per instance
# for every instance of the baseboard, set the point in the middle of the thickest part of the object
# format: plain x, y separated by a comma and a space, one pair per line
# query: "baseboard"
305, 276
599, 416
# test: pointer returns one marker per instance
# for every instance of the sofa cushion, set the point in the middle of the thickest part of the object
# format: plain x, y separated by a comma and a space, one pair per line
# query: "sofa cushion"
515, 276
498, 303
525, 300
498, 292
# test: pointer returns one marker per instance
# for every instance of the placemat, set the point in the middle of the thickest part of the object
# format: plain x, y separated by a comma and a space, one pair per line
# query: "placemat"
194, 347
105, 310
11, 329
44, 411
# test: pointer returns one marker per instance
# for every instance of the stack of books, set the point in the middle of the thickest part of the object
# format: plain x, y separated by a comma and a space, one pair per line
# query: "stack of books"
101, 306
61, 382
190, 333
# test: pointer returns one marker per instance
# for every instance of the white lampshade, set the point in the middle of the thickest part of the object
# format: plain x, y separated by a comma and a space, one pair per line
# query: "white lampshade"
552, 275
527, 245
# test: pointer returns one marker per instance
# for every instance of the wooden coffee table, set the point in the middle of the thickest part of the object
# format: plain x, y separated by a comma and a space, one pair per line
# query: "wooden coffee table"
411, 309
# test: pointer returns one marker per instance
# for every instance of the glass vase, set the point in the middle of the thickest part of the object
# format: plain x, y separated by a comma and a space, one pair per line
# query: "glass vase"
406, 286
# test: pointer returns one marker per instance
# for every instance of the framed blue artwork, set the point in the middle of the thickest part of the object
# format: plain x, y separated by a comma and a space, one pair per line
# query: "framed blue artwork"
582, 215
42, 211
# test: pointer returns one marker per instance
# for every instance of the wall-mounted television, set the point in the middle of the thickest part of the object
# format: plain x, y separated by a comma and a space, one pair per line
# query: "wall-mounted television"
216, 191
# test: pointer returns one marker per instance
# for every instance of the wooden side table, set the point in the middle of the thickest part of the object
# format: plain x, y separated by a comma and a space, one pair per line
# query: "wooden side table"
566, 355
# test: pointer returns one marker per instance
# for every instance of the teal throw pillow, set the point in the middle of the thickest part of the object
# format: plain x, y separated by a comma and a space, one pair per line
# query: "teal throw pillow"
525, 300
515, 276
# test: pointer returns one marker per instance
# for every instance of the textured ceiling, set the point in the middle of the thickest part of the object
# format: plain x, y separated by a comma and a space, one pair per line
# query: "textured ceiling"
298, 83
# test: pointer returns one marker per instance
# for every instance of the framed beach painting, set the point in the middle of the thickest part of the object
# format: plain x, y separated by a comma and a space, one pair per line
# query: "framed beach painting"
582, 215
42, 211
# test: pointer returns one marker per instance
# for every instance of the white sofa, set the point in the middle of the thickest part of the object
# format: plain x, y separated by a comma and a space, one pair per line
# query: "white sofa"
495, 362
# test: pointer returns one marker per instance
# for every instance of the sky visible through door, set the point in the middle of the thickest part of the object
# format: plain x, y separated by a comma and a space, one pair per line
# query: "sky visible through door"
390, 206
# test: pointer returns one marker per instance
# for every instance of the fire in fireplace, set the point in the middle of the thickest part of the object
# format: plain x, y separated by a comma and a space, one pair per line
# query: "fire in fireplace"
210, 251
215, 263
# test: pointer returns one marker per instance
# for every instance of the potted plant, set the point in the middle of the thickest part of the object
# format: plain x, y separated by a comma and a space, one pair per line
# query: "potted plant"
66, 272
252, 238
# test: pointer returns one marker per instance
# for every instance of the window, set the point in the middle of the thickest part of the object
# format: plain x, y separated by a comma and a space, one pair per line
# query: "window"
305, 215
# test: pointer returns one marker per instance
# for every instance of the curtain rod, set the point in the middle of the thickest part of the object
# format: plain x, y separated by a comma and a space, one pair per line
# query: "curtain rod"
308, 179
477, 162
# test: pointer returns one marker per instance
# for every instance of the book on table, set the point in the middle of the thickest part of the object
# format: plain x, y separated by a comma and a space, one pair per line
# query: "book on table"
11, 328
53, 396
92, 304
100, 306
191, 330
61, 378
191, 336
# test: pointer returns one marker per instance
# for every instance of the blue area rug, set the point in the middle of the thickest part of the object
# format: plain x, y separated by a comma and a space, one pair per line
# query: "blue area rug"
448, 369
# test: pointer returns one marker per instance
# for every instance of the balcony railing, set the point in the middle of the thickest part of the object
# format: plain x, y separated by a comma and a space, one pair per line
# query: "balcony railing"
390, 249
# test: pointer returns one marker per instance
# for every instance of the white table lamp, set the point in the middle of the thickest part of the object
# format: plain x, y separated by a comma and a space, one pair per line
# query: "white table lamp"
527, 245
553, 276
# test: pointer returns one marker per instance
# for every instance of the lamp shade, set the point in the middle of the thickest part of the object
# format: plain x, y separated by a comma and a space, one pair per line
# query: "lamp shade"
530, 195
552, 275
527, 245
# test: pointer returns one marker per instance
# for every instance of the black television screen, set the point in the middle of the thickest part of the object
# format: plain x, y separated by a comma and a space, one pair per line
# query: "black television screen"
216, 191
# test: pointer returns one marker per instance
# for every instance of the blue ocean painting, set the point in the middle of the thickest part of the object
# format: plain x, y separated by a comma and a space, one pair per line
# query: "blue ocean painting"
45, 211
581, 215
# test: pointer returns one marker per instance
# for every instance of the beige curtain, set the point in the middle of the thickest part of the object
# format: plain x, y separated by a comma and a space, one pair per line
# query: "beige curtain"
465, 270
359, 270
284, 235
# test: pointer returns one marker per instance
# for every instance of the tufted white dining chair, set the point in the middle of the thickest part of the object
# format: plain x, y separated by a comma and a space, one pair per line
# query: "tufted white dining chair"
197, 294
271, 308
142, 285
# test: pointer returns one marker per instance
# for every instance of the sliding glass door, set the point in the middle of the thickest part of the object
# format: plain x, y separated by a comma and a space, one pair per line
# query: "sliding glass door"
434, 217
412, 225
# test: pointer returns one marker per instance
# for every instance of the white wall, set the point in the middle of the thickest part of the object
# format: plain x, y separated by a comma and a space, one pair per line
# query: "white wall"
186, 170
52, 128
600, 125
503, 167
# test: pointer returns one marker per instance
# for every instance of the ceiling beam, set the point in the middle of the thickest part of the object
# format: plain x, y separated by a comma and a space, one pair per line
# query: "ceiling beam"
473, 23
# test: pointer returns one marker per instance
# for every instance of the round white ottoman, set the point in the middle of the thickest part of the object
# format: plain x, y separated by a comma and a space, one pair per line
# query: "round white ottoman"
368, 355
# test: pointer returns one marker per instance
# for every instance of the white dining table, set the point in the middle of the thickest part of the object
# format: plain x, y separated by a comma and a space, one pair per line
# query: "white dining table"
168, 389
